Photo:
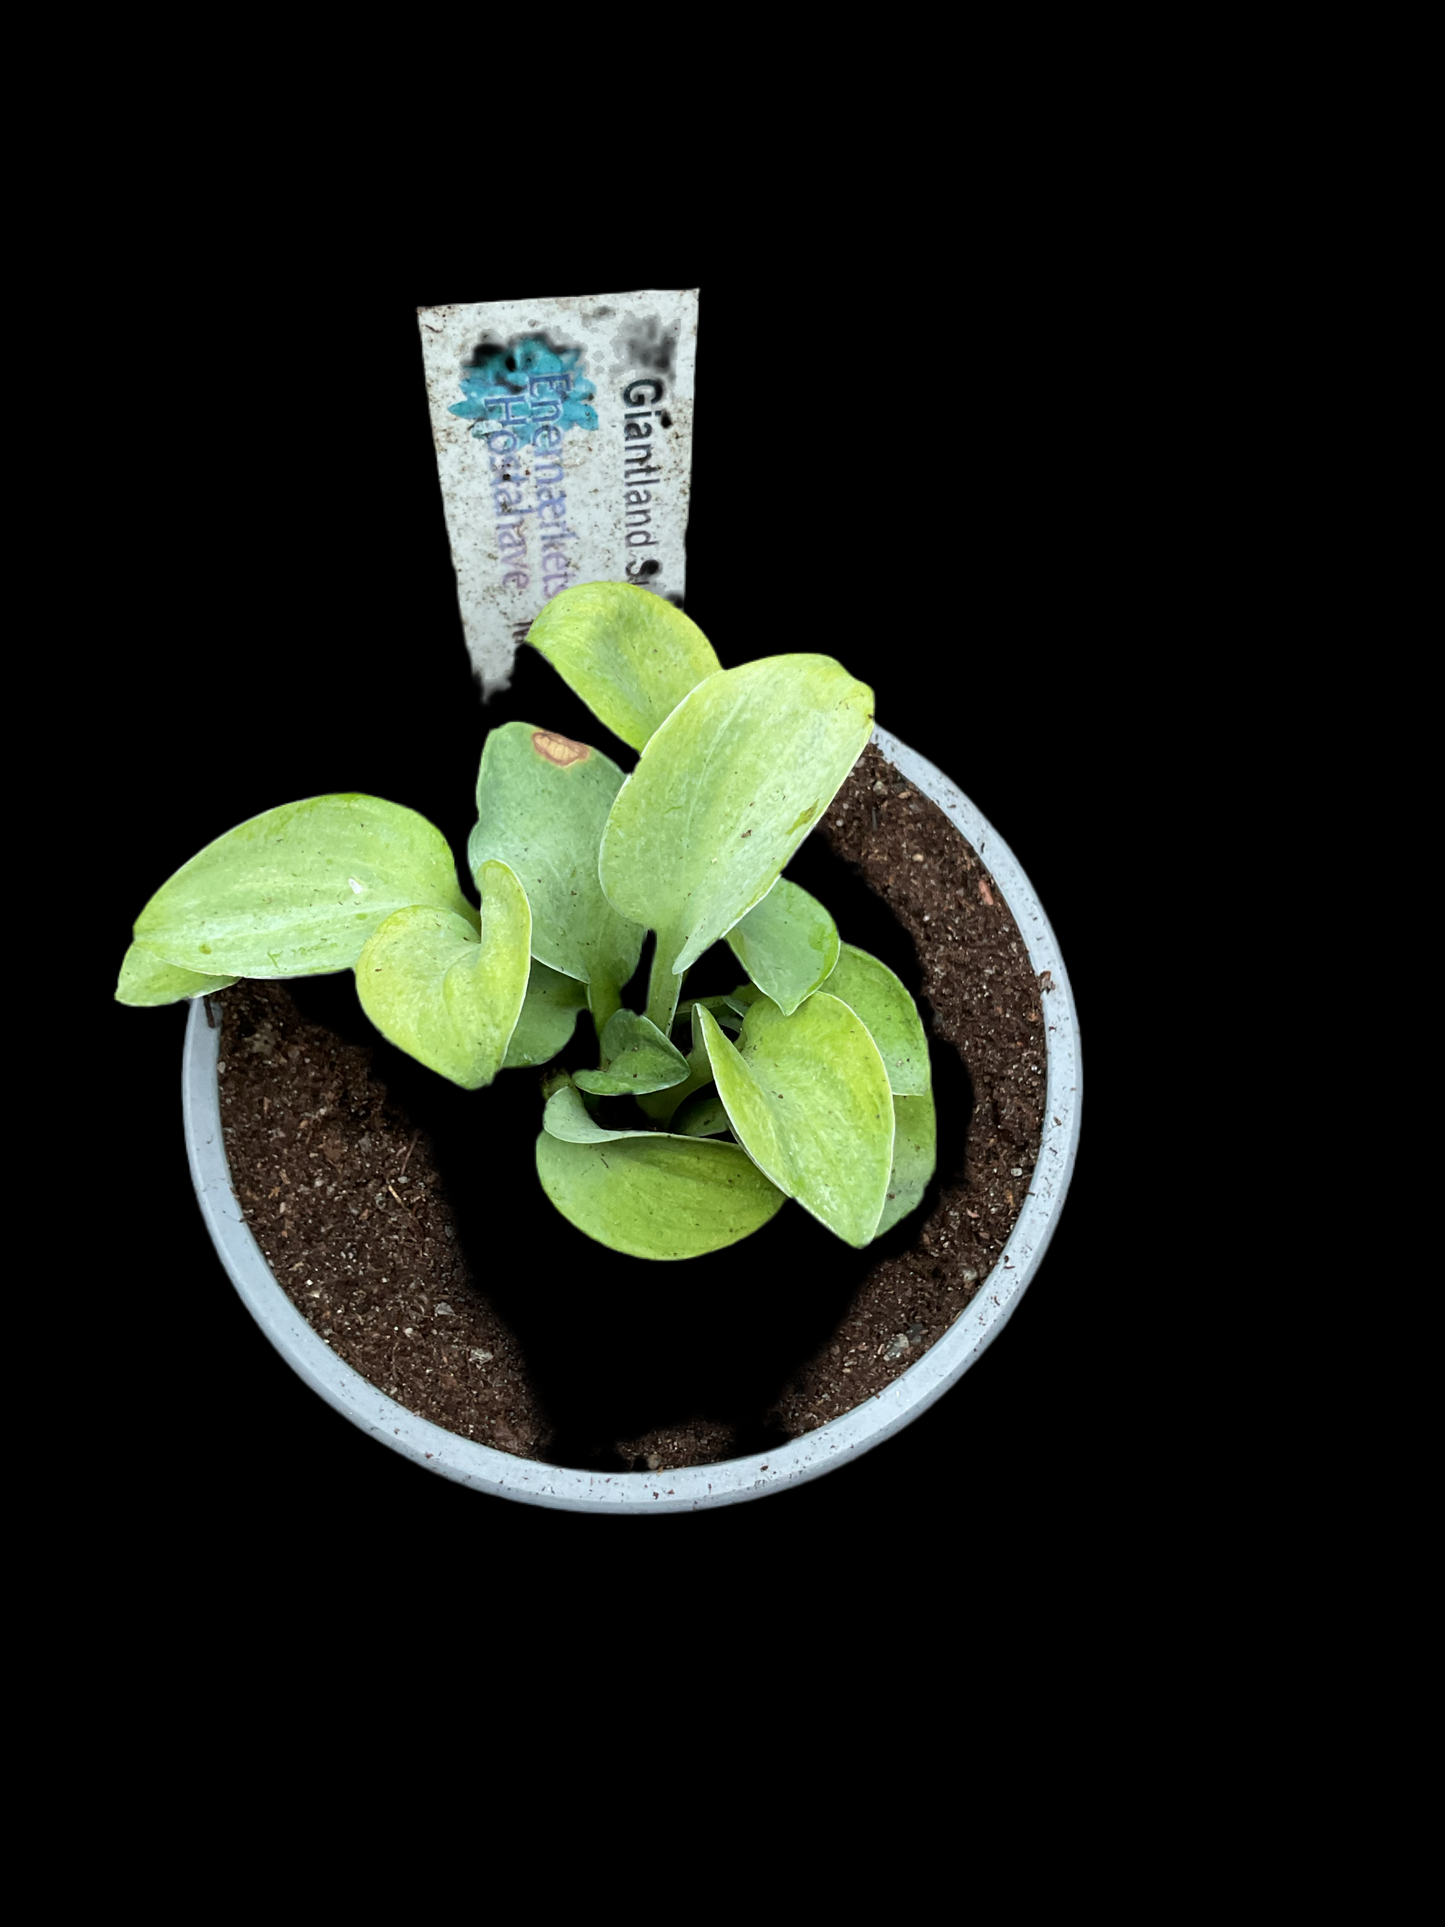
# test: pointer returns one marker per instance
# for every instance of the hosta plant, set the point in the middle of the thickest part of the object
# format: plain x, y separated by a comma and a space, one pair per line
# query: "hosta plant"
808, 1079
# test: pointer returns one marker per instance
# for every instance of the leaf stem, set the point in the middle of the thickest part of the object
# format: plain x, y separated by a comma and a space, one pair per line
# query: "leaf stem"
663, 989
604, 1000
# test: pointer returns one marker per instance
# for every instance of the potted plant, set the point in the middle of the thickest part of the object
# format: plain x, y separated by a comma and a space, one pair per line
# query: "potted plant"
699, 1117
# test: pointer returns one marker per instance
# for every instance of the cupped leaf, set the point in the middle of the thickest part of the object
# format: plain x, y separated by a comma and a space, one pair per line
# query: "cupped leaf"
542, 803
444, 995
549, 1016
808, 1099
639, 1058
146, 980
915, 1153
297, 891
630, 655
657, 1196
788, 944
723, 794
883, 1002
703, 1115
568, 1118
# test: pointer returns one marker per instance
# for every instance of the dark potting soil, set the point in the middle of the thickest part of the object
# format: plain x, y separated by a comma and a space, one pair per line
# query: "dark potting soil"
404, 1216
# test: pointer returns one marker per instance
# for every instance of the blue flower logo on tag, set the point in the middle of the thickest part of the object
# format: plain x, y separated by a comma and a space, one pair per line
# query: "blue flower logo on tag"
525, 386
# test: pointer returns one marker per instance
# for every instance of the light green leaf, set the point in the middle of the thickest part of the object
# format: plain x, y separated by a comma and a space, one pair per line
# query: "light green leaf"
146, 980
808, 1099
743, 998
657, 1196
915, 1153
723, 794
549, 1016
639, 1058
788, 944
720, 1007
883, 1002
442, 994
567, 1117
297, 891
630, 655
703, 1115
542, 802
662, 1105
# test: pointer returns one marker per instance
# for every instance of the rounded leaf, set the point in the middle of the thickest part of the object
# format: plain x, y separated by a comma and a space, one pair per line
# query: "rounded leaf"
542, 804
549, 1016
297, 891
915, 1153
788, 944
147, 980
568, 1118
630, 655
807, 1097
639, 1059
881, 999
723, 794
657, 1196
444, 995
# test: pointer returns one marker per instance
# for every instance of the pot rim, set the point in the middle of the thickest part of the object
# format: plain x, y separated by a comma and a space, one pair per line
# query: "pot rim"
689, 1488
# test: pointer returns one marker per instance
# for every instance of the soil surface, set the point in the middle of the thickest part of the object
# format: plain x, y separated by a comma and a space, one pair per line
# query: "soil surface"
404, 1218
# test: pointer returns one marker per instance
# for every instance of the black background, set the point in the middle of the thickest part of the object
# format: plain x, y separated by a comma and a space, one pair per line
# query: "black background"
931, 508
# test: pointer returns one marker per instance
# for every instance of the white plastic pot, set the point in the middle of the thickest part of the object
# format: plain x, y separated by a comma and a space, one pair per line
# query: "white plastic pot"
688, 1488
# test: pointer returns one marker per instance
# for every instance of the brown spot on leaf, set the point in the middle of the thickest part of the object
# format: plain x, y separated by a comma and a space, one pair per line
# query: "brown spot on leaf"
559, 749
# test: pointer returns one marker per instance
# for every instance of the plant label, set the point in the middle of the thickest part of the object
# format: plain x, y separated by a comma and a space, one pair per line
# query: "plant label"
563, 432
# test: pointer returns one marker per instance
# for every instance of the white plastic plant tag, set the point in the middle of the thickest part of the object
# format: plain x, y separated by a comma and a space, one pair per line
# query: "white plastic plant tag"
563, 432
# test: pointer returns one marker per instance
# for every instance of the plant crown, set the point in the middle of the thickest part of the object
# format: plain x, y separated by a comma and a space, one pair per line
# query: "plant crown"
810, 1080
